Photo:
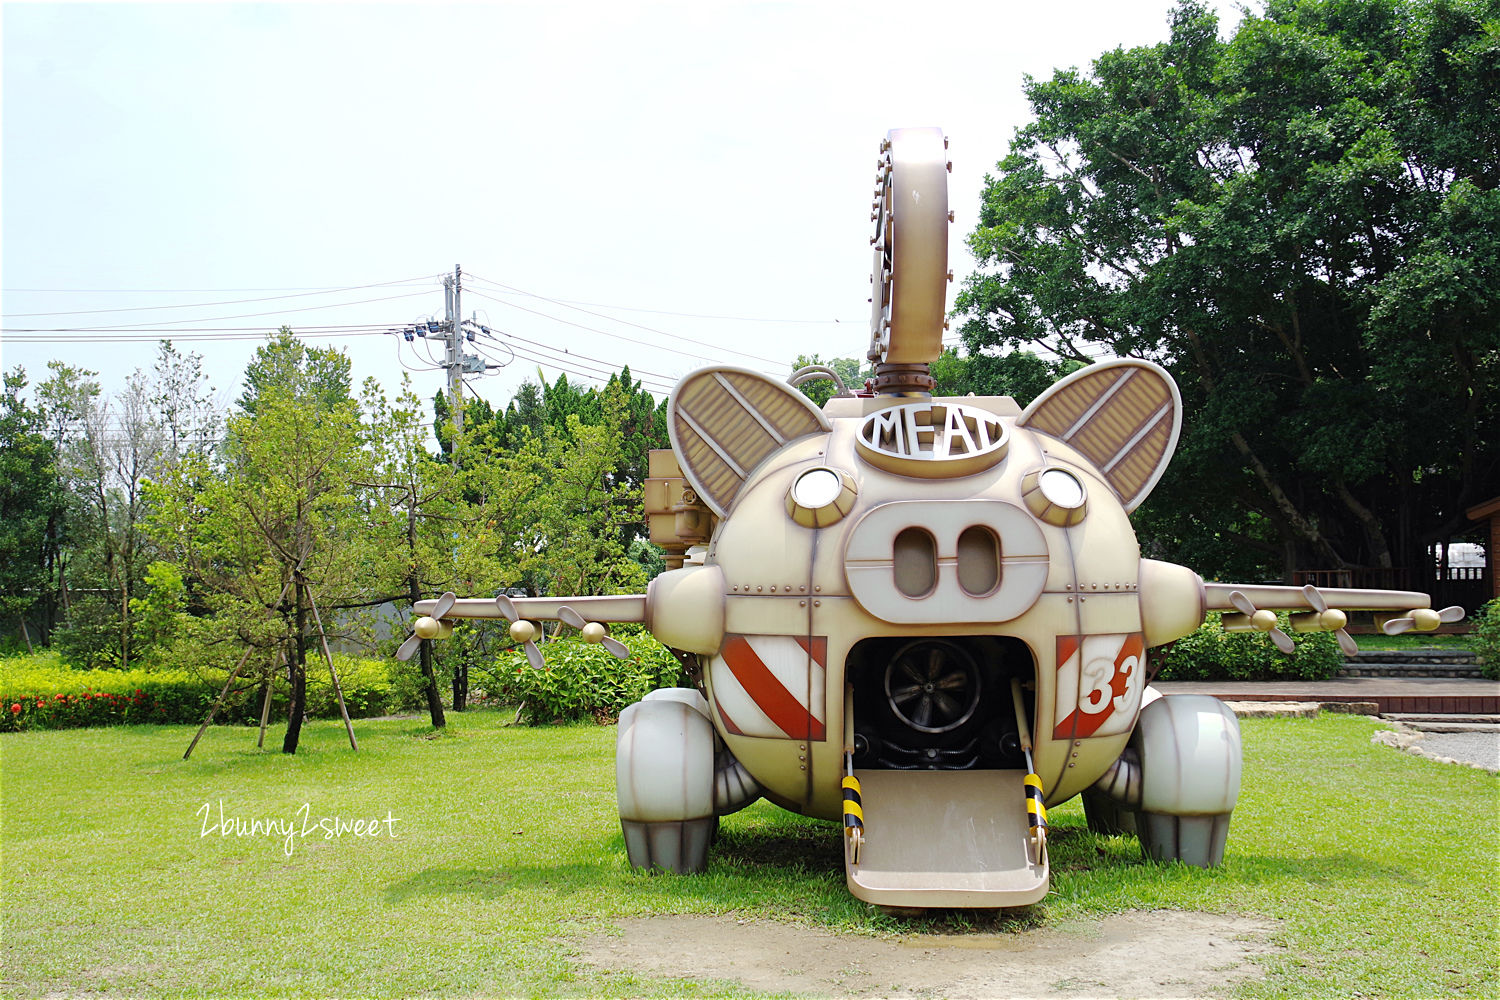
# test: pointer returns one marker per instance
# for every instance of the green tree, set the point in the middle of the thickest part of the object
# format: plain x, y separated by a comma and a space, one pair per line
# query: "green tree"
316, 375
276, 538
1303, 224
30, 496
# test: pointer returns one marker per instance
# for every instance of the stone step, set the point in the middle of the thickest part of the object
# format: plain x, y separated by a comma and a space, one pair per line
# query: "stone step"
1428, 718
1435, 656
1472, 672
1456, 727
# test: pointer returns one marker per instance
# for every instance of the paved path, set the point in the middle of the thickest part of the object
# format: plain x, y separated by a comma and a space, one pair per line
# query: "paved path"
1337, 689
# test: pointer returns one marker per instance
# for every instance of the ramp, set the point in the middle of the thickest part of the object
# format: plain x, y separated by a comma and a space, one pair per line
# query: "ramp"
945, 838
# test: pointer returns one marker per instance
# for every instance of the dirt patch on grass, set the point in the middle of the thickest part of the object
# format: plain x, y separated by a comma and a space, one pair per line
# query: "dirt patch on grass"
1159, 953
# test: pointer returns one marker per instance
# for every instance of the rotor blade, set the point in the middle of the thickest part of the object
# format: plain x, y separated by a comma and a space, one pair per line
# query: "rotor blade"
618, 649
1315, 598
1398, 625
502, 602
409, 647
569, 617
1451, 614
1347, 643
534, 656
444, 605
1241, 602
1282, 640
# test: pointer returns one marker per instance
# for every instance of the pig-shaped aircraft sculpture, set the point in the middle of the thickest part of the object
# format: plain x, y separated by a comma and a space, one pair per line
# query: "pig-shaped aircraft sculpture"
925, 617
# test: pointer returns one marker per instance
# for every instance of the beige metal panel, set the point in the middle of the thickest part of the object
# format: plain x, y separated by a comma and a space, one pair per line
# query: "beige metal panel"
1123, 416
1216, 597
621, 608
946, 838
878, 565
909, 280
725, 421
768, 614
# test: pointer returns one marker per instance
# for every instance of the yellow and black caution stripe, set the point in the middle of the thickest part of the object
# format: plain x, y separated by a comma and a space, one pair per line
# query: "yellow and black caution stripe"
1036, 811
854, 816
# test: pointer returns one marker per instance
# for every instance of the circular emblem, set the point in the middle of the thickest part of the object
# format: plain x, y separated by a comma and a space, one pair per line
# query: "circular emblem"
933, 440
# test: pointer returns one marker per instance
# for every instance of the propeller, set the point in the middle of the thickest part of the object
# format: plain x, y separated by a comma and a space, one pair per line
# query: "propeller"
428, 627
1260, 621
593, 632
1423, 620
521, 630
1325, 619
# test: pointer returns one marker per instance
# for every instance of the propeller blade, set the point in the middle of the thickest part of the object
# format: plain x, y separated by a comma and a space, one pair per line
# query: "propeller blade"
1242, 603
1315, 598
1398, 625
534, 656
410, 646
506, 608
1282, 640
1347, 643
444, 605
569, 617
1451, 614
616, 647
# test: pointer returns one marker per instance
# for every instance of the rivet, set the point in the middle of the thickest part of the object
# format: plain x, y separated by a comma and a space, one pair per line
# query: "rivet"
803, 588
801, 758
1071, 764
773, 588
1070, 600
817, 604
801, 746
787, 588
801, 604
818, 587
759, 589
1094, 586
803, 767
736, 588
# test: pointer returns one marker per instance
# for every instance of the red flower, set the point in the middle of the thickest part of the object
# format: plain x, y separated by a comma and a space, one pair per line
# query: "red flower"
62, 697
16, 708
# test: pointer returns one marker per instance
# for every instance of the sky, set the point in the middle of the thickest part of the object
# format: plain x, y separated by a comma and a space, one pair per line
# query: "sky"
664, 185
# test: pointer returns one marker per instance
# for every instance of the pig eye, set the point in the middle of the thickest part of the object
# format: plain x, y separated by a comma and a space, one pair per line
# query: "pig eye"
1055, 496
820, 496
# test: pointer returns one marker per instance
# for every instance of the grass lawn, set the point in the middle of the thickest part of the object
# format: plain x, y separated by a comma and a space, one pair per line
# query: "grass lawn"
1382, 866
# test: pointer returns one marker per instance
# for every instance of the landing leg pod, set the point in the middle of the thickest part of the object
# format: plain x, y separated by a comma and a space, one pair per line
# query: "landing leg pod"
664, 783
1190, 759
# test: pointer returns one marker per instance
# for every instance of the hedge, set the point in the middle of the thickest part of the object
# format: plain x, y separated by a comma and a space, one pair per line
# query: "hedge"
1212, 654
42, 692
583, 681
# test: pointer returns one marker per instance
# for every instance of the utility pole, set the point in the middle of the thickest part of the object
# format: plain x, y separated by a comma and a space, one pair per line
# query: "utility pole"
454, 330
453, 351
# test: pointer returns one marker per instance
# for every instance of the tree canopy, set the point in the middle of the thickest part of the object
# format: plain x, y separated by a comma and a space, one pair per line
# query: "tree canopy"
1302, 223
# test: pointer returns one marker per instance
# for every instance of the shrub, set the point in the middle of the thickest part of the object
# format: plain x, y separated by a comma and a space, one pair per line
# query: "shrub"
582, 680
40, 692
90, 636
1484, 637
1212, 654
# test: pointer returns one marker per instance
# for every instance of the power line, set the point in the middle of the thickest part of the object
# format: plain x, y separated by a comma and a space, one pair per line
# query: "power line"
615, 319
605, 333
668, 312
159, 324
250, 333
537, 345
223, 302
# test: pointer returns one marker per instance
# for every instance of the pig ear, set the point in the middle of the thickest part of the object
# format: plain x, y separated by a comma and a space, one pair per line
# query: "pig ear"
1123, 416
723, 422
